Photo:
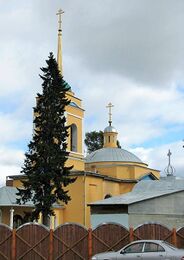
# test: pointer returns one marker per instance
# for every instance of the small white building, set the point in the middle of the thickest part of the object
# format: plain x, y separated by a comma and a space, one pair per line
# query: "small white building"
160, 201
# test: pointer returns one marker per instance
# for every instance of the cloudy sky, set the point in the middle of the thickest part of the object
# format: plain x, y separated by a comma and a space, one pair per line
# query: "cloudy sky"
128, 52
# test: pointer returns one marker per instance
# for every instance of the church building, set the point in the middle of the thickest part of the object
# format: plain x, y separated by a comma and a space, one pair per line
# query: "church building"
103, 173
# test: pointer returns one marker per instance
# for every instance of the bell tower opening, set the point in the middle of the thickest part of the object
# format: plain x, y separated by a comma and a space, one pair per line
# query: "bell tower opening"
73, 138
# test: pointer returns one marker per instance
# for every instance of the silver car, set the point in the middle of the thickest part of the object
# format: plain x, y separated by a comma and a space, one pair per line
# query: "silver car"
144, 249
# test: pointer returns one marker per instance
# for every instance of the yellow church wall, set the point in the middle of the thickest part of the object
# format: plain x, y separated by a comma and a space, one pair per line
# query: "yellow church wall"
94, 192
78, 164
110, 140
125, 171
17, 183
121, 170
74, 210
141, 171
58, 219
109, 170
78, 112
5, 215
85, 190
126, 187
112, 188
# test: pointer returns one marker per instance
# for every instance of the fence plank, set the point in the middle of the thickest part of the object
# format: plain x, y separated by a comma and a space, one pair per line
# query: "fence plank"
71, 242
180, 237
5, 242
32, 240
110, 236
153, 231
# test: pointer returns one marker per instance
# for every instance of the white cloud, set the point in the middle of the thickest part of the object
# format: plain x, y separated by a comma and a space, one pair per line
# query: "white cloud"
13, 129
11, 161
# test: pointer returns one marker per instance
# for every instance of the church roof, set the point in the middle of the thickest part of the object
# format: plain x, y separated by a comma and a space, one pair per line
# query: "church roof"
145, 190
111, 155
8, 197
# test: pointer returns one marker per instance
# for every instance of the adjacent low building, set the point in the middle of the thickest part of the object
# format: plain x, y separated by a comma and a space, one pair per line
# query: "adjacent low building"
160, 201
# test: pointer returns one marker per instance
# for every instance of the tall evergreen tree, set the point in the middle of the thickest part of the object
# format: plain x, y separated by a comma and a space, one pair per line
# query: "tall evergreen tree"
44, 165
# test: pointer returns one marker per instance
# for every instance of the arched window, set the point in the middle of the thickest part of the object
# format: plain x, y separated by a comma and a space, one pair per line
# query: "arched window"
17, 221
108, 195
73, 138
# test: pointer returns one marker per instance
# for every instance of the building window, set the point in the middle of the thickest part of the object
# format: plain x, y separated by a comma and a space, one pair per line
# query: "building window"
109, 139
73, 138
108, 195
17, 221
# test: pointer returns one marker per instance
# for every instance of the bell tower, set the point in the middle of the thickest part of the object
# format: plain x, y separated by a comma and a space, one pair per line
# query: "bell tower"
74, 113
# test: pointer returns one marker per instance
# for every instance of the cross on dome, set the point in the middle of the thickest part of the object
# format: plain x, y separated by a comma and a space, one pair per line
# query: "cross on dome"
109, 106
169, 169
59, 13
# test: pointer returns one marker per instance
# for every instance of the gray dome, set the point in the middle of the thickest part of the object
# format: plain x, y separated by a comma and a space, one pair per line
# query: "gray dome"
111, 155
110, 129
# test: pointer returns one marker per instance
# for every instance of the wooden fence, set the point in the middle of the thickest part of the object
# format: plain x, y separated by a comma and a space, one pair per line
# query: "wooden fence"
74, 242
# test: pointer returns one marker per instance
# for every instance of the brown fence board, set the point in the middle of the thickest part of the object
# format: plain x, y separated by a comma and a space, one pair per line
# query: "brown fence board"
153, 231
70, 242
180, 237
32, 242
107, 237
5, 242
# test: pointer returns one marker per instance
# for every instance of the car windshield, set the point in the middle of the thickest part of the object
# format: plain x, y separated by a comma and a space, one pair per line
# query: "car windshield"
169, 245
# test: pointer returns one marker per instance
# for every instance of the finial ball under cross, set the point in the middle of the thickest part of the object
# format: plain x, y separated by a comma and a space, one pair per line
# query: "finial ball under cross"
109, 106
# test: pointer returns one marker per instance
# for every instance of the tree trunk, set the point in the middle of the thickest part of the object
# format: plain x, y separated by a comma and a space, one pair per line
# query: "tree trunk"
45, 220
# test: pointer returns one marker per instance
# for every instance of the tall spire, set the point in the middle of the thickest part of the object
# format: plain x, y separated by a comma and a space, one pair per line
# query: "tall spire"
59, 51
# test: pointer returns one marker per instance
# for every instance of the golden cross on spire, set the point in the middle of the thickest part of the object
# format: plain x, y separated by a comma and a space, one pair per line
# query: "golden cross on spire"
109, 106
59, 13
